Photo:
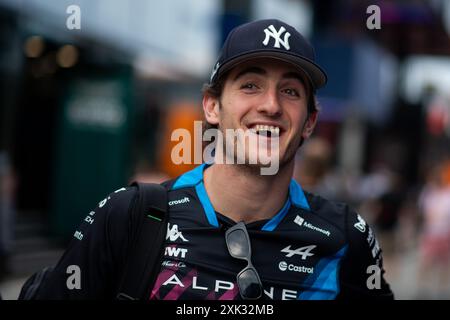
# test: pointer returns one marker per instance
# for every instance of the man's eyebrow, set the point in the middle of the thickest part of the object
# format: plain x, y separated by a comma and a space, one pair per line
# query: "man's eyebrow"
256, 70
295, 75
261, 71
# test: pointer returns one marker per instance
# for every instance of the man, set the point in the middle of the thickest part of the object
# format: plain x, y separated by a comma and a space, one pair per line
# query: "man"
234, 233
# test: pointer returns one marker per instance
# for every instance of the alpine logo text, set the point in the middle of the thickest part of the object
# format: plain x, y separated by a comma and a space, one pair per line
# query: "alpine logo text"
303, 252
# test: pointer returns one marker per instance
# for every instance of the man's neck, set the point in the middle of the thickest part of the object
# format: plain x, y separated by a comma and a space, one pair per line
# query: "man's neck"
243, 194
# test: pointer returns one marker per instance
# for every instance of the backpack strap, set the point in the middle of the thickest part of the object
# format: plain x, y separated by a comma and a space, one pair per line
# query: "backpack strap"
31, 287
148, 232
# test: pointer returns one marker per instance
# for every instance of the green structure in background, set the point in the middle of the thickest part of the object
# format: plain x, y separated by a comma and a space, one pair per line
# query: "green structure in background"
93, 147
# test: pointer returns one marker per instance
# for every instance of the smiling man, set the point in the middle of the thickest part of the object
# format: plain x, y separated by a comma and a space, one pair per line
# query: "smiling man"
232, 232
268, 98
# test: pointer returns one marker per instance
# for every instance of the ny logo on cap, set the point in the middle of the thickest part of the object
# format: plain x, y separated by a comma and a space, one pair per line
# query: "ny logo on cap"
276, 35
214, 71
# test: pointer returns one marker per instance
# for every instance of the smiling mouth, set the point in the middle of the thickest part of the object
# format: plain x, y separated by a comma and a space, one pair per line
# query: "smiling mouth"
266, 130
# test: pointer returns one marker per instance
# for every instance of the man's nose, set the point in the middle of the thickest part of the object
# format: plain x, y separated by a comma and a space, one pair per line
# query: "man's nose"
270, 104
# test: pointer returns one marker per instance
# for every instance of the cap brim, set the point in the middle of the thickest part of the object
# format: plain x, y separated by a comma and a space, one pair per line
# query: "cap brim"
315, 74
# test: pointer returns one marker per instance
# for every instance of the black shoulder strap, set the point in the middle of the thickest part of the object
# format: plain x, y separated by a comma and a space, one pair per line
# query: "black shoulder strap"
149, 227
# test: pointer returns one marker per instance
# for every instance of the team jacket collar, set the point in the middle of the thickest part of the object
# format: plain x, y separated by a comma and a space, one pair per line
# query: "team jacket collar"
194, 178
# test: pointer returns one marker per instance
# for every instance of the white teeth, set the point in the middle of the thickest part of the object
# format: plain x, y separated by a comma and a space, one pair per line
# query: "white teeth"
265, 128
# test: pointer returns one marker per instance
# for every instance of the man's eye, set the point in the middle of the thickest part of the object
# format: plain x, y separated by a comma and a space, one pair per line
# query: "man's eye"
248, 86
292, 92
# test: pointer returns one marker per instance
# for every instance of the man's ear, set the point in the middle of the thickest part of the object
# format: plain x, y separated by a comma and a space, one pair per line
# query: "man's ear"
309, 125
211, 109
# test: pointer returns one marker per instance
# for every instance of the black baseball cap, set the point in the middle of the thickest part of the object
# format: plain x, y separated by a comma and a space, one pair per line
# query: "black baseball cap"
270, 38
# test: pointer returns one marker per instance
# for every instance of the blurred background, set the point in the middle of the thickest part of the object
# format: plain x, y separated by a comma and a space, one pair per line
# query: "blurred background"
88, 105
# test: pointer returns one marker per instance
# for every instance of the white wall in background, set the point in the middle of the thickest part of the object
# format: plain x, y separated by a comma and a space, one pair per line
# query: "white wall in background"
299, 14
421, 71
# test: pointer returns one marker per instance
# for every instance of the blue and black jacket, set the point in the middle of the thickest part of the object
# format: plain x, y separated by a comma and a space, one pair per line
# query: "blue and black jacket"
311, 249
